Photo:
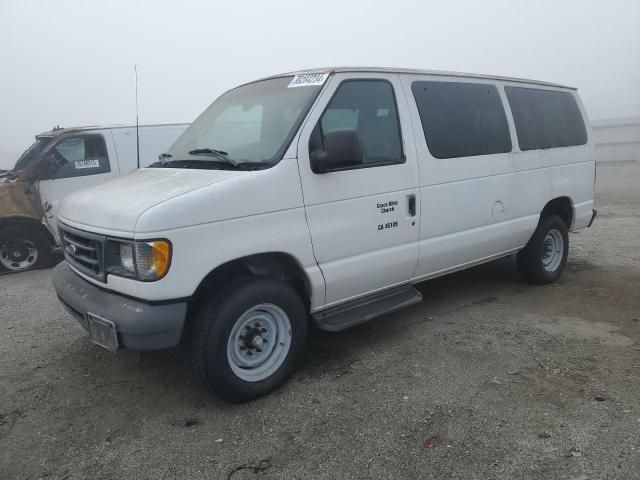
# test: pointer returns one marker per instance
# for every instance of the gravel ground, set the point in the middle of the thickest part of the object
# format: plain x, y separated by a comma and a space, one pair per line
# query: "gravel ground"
488, 378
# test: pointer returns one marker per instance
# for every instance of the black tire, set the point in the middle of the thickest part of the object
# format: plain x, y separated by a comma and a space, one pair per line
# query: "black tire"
19, 235
213, 326
530, 258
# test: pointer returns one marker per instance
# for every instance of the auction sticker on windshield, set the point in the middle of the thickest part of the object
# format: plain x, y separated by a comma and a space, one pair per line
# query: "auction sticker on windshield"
308, 79
88, 163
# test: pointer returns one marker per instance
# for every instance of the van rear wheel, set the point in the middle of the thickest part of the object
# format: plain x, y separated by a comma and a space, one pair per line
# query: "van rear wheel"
23, 248
248, 339
543, 258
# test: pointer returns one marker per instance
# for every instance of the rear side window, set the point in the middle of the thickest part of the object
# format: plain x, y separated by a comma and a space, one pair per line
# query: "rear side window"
78, 156
546, 118
462, 119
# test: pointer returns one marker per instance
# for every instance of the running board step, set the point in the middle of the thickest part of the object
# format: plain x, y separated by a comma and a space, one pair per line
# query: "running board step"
364, 309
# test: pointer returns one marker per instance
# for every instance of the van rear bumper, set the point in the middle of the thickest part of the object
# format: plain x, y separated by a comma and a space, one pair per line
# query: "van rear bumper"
140, 326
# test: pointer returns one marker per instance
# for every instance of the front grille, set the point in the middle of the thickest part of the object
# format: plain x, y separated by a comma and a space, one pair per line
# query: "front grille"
84, 251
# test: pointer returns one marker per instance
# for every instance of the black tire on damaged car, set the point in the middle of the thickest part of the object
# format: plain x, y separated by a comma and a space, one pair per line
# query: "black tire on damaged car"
23, 248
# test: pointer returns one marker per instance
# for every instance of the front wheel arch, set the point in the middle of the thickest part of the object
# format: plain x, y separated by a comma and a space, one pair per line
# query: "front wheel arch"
29, 222
278, 265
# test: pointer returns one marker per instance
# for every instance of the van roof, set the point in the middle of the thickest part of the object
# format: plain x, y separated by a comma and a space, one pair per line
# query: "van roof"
420, 72
54, 132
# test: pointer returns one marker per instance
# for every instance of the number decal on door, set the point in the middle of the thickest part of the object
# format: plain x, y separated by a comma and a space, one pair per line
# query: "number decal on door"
384, 226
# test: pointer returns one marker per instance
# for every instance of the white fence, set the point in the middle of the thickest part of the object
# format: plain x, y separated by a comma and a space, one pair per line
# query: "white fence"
617, 139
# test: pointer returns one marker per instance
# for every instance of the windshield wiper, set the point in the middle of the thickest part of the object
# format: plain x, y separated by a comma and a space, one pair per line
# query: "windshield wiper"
208, 151
212, 152
163, 157
209, 164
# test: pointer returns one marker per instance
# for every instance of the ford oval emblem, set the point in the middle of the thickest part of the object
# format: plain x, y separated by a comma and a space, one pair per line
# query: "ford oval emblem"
72, 250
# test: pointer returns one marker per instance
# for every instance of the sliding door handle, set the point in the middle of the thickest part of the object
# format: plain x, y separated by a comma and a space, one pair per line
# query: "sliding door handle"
412, 205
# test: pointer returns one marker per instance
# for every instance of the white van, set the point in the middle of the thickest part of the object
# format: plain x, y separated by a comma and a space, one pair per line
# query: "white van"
59, 162
323, 196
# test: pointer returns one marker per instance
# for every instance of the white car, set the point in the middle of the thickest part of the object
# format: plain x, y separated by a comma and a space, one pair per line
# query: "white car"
323, 196
59, 162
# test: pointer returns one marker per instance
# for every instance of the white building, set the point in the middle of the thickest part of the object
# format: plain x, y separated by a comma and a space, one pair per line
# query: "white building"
617, 139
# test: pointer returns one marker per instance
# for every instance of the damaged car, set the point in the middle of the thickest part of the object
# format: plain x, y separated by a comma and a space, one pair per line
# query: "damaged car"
59, 162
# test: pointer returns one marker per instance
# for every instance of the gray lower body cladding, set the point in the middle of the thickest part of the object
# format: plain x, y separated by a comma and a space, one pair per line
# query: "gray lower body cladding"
140, 326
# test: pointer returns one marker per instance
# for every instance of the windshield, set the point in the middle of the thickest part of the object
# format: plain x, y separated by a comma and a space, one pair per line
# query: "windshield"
32, 152
253, 124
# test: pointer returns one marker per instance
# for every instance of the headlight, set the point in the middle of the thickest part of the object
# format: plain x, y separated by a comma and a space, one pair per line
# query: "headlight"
147, 261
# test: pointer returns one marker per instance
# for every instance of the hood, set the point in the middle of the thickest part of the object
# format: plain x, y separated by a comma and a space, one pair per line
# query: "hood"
19, 199
117, 204
7, 176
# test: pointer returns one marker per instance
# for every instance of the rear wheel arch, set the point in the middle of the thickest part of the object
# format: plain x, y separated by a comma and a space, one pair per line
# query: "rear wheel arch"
560, 206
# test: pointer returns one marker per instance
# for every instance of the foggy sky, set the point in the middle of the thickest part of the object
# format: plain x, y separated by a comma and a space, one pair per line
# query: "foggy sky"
70, 62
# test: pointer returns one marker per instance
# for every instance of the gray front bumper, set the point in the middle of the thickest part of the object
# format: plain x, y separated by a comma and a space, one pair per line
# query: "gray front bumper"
140, 326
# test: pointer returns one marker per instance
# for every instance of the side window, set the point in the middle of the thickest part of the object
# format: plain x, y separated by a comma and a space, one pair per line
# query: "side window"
546, 118
462, 119
367, 107
78, 156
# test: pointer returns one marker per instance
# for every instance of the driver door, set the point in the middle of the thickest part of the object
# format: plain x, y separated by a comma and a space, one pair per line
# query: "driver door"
363, 217
72, 163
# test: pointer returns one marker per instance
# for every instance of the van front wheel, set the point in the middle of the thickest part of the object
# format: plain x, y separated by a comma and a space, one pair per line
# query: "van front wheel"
249, 338
544, 257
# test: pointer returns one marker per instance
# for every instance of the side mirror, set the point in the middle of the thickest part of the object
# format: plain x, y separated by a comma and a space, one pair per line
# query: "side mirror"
47, 167
343, 149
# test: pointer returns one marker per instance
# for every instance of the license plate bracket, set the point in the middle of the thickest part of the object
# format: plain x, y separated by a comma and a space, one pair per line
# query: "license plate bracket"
102, 332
